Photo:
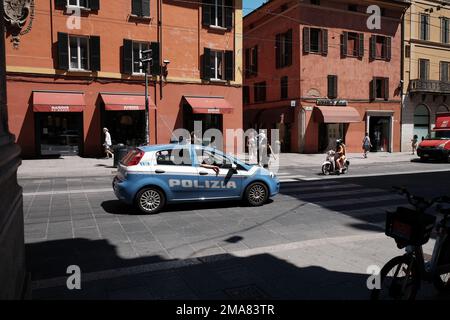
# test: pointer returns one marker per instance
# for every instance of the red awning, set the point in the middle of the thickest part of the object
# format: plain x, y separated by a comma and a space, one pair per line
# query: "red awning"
206, 105
58, 102
124, 102
442, 121
337, 115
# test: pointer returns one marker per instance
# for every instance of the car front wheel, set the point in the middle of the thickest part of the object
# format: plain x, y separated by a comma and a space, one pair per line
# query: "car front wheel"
257, 194
150, 200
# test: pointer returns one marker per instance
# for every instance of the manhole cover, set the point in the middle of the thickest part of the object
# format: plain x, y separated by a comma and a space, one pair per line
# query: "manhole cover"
250, 292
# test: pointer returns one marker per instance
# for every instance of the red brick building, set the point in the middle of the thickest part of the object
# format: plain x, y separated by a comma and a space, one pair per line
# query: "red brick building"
68, 81
314, 70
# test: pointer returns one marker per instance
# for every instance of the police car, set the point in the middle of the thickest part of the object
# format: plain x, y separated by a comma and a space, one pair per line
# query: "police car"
151, 177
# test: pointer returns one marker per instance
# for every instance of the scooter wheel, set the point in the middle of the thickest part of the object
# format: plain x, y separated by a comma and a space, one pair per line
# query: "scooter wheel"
326, 169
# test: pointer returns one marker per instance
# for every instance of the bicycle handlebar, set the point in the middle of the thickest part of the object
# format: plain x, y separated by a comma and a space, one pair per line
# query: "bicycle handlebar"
416, 201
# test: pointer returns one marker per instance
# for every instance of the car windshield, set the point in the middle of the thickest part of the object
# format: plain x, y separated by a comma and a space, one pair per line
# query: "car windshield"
439, 135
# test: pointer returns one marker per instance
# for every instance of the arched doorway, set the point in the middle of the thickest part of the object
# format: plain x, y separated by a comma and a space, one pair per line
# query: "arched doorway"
421, 121
442, 108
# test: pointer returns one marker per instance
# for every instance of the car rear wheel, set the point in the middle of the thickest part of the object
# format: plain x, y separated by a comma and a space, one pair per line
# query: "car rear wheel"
257, 194
150, 200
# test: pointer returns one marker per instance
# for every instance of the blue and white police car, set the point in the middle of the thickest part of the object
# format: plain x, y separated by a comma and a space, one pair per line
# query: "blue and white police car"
151, 177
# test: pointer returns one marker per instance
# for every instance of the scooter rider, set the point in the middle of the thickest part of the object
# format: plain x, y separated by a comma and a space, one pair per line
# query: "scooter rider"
340, 155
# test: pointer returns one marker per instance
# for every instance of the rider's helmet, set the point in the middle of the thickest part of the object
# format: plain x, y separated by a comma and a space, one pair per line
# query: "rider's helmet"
338, 142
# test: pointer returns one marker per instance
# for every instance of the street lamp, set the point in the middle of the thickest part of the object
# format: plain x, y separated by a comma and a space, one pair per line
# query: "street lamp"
146, 62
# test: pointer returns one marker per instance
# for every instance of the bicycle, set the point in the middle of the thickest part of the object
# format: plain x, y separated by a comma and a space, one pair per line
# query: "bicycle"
402, 276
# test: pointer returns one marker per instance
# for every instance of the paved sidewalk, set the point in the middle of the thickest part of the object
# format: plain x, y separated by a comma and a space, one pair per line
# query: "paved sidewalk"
74, 166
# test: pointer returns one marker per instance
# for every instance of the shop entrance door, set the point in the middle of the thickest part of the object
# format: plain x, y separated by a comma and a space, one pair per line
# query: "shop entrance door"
380, 133
59, 133
208, 121
328, 134
125, 127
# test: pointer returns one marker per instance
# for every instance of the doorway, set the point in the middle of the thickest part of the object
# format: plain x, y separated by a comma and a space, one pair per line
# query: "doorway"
59, 133
126, 127
328, 134
380, 133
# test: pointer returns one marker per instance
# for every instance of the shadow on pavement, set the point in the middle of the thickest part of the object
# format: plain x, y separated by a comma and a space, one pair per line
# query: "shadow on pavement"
224, 276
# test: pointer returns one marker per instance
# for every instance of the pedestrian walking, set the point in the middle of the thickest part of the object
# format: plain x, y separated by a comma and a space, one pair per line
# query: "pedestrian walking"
263, 151
108, 143
414, 142
366, 145
252, 145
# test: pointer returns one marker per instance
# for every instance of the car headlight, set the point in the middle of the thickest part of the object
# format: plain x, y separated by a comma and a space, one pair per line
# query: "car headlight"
442, 146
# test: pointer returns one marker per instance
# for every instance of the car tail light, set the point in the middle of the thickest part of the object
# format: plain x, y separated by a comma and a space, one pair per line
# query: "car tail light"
133, 158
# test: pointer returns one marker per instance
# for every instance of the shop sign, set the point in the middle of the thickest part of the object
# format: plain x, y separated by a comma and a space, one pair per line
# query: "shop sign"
131, 108
331, 102
293, 103
213, 111
60, 108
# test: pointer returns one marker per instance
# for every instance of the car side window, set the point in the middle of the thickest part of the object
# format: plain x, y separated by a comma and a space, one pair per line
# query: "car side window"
212, 158
173, 157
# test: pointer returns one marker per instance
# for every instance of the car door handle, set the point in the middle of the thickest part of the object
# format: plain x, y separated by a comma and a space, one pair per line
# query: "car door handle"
160, 171
203, 173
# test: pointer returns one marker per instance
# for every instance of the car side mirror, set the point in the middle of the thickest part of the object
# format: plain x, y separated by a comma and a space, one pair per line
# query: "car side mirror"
234, 168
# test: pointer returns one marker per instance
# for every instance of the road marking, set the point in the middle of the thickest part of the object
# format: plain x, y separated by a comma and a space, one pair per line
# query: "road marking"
50, 193
171, 265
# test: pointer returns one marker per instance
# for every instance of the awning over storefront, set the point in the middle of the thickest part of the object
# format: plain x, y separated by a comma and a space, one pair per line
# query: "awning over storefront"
209, 105
337, 114
442, 122
125, 102
58, 102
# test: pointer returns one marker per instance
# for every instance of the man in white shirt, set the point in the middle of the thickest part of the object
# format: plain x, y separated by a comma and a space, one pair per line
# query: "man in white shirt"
108, 143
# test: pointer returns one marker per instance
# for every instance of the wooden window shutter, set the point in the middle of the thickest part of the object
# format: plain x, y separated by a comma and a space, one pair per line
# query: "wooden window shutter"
306, 40
248, 65
373, 89
206, 12
127, 56
388, 48
206, 64
373, 47
344, 43
156, 61
324, 42
332, 86
255, 61
278, 51
146, 8
136, 7
229, 9
229, 65
288, 43
63, 51
361, 45
94, 51
94, 5
386, 88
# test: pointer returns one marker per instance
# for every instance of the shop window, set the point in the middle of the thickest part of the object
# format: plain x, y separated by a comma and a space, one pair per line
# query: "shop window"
78, 52
140, 8
424, 69
424, 27
251, 61
283, 44
379, 88
380, 48
352, 44
284, 87
218, 14
260, 91
445, 30
315, 40
445, 71
218, 65
421, 121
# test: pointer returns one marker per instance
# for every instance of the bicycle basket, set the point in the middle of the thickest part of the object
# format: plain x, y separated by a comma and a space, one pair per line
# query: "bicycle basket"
408, 227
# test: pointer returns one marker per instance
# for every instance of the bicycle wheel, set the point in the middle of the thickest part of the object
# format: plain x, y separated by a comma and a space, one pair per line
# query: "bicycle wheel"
399, 280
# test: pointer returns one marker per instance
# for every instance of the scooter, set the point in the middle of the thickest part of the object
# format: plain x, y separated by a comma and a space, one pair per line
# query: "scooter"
328, 167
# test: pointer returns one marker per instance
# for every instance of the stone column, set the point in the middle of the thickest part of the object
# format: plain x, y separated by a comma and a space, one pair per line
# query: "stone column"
13, 282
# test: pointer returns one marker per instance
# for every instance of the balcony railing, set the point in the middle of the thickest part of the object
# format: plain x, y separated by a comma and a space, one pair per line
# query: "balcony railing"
429, 86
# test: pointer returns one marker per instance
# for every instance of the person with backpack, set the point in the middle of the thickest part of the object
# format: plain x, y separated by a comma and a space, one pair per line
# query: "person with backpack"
366, 145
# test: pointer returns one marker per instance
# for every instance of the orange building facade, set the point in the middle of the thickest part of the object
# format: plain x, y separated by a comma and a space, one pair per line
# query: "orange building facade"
70, 77
317, 72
